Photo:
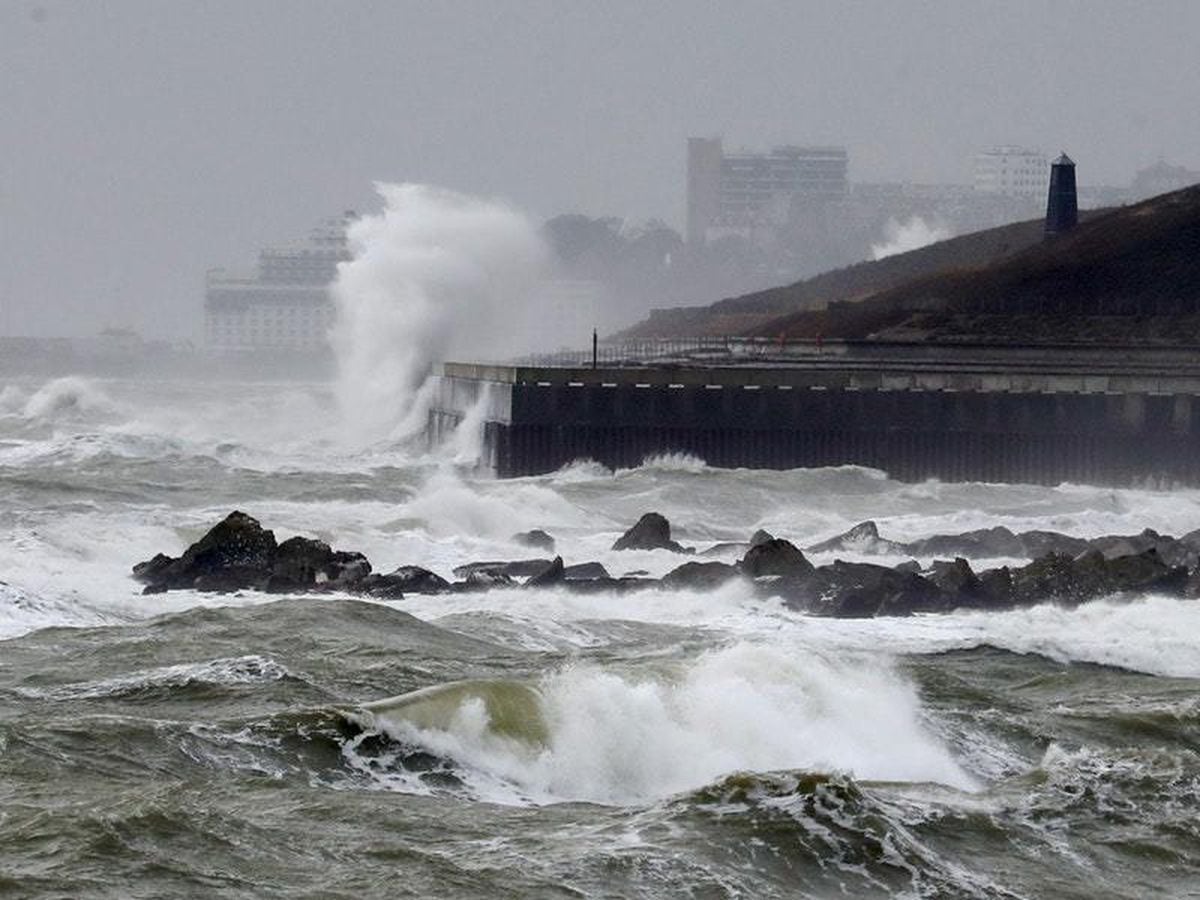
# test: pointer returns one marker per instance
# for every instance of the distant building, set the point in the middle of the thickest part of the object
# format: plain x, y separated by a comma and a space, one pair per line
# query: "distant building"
285, 304
1010, 171
741, 193
1161, 178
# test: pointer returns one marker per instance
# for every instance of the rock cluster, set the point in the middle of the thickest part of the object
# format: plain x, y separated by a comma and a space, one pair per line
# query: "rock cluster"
238, 553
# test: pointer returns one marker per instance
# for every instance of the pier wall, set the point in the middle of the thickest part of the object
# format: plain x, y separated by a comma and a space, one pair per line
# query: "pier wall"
1134, 420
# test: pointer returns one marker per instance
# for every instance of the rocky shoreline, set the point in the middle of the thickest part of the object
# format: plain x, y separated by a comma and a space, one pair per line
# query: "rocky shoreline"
239, 554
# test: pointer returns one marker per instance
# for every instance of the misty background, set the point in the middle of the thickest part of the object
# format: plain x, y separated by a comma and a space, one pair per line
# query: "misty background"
144, 143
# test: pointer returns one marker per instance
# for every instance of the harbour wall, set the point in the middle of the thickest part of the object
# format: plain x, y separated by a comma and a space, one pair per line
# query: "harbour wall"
1032, 415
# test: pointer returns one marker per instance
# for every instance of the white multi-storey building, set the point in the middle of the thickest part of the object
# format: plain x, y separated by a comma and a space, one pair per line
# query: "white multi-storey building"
1012, 172
745, 191
285, 305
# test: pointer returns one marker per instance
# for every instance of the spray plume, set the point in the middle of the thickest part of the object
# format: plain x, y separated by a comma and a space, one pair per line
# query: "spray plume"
436, 274
901, 237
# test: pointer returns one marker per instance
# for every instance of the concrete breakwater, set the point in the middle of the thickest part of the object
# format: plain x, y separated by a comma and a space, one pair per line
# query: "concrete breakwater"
1041, 415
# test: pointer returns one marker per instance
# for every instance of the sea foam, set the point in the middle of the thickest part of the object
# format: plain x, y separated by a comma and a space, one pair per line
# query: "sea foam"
633, 736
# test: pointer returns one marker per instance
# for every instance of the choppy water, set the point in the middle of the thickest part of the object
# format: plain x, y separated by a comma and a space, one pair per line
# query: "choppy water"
661, 744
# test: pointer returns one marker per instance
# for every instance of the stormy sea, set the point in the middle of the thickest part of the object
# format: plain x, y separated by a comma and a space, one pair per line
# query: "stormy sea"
662, 743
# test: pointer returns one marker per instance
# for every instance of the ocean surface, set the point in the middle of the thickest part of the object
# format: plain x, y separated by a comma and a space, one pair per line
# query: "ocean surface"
657, 744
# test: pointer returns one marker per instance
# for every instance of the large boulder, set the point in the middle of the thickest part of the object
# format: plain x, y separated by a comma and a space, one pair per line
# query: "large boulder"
699, 575
236, 553
1172, 551
775, 557
862, 538
403, 580
981, 543
859, 590
652, 532
239, 553
303, 563
1063, 579
958, 581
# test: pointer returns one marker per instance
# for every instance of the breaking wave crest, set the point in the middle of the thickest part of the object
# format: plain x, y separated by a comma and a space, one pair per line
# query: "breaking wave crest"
586, 733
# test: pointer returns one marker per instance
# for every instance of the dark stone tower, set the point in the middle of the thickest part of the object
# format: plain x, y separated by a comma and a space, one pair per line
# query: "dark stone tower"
1062, 206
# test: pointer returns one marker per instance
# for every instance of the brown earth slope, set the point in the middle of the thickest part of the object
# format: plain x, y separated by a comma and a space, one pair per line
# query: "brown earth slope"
1126, 275
737, 315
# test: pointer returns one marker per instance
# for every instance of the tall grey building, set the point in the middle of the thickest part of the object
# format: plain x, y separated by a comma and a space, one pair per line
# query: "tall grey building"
739, 193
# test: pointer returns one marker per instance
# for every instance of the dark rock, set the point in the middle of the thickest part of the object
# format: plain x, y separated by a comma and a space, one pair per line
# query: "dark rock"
855, 590
381, 586
551, 575
1171, 551
862, 538
1057, 577
485, 580
239, 553
519, 568
536, 538
404, 580
700, 575
298, 560
911, 566
996, 587
760, 537
151, 570
303, 563
1191, 540
347, 568
652, 532
159, 587
585, 572
957, 580
775, 557
1041, 543
416, 580
1147, 572
236, 553
984, 542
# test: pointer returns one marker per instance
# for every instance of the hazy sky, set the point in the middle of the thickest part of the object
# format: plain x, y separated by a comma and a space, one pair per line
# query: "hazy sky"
144, 142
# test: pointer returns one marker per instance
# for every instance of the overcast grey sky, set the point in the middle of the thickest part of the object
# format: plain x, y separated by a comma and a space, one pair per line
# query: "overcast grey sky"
144, 142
